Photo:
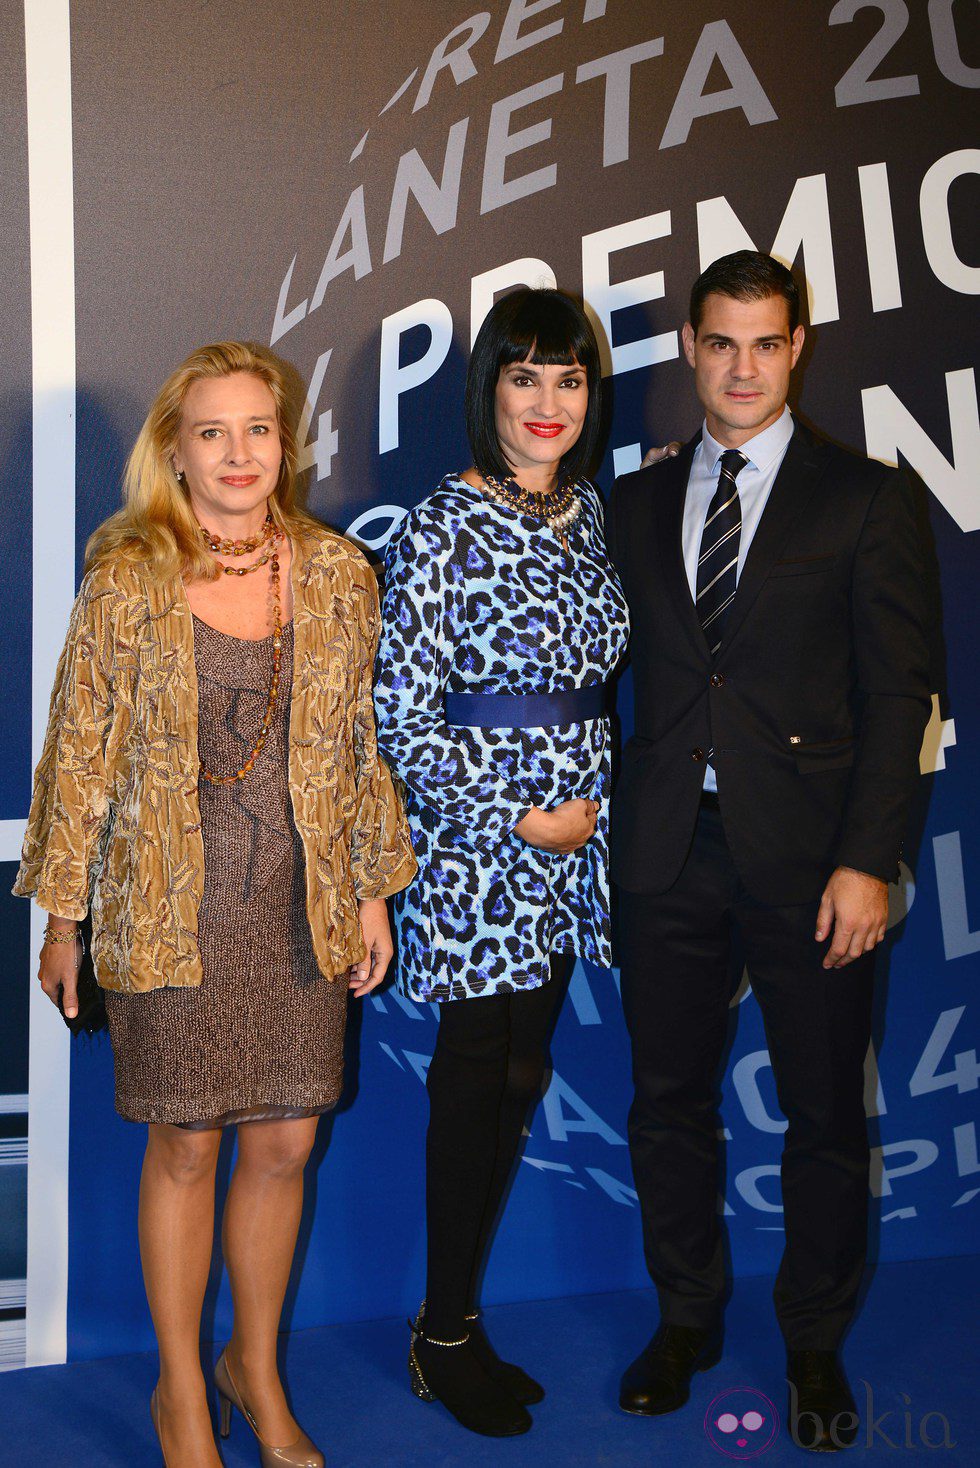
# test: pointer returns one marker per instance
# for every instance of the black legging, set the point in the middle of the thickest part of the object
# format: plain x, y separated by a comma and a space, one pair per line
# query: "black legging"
487, 1069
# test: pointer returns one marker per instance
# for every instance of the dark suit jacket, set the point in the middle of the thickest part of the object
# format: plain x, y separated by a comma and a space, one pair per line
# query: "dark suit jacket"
817, 699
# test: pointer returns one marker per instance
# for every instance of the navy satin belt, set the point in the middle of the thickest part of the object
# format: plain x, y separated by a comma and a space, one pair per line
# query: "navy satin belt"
526, 710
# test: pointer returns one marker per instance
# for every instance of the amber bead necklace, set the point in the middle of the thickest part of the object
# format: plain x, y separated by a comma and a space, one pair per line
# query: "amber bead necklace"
270, 536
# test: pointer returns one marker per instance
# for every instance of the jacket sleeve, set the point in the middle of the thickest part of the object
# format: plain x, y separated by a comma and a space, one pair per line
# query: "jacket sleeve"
890, 637
382, 861
449, 769
70, 805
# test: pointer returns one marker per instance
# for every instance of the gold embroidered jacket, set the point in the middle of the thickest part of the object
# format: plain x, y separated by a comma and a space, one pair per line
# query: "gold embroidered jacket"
115, 809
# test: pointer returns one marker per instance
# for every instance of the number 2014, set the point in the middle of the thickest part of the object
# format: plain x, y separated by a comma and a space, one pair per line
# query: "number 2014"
858, 84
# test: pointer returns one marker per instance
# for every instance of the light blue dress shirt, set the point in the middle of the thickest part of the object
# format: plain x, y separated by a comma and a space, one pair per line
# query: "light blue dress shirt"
765, 454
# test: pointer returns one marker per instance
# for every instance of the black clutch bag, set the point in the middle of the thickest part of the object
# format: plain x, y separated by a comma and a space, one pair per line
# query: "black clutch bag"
91, 1016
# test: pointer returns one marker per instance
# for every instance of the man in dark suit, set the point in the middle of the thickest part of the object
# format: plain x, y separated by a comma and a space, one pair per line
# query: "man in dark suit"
781, 686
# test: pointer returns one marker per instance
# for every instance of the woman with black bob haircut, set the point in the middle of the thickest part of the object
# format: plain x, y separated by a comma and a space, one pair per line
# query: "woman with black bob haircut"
546, 328
503, 619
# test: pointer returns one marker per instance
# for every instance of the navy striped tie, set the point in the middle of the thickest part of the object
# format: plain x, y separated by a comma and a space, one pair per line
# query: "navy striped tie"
718, 562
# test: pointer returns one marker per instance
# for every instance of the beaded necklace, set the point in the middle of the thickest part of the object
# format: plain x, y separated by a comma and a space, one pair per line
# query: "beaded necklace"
272, 536
269, 535
561, 509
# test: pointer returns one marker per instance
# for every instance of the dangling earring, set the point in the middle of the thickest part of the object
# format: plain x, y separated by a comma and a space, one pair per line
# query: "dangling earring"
178, 474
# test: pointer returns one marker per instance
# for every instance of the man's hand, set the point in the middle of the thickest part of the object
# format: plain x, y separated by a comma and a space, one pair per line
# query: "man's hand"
654, 456
368, 974
855, 906
561, 830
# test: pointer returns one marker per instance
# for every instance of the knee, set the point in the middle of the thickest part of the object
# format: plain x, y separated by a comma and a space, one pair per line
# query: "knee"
279, 1154
673, 1101
187, 1158
525, 1074
815, 1123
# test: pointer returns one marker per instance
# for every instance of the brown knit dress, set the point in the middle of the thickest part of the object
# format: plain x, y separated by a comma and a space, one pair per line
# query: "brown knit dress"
263, 1034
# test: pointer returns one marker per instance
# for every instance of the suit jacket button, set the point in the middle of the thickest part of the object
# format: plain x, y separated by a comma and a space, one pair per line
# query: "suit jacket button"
717, 680
697, 755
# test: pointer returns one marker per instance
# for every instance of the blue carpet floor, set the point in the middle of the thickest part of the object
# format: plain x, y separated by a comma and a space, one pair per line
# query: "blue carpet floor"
913, 1353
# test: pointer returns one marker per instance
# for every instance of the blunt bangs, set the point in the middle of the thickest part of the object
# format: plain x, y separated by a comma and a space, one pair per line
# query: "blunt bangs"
545, 331
546, 327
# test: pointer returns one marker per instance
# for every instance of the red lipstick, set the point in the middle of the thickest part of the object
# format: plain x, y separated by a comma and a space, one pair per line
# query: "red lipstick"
545, 430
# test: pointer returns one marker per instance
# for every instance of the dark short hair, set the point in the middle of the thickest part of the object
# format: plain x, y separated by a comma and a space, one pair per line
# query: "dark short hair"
545, 327
747, 275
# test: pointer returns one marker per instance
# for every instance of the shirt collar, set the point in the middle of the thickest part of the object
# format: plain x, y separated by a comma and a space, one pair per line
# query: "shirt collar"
760, 451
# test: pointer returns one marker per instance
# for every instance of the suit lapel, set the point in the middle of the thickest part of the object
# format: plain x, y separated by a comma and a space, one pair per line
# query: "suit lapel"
670, 500
791, 492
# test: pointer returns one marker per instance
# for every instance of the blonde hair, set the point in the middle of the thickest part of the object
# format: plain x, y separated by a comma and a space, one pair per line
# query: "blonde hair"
156, 525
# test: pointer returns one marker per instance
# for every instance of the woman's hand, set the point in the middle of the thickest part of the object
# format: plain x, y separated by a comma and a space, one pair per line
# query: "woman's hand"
563, 829
368, 974
656, 456
59, 967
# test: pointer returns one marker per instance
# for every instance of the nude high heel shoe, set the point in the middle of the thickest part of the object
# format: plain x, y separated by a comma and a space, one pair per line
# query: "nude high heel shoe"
299, 1454
155, 1417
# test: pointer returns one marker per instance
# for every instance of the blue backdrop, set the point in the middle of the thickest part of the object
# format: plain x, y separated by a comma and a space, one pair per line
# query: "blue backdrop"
358, 209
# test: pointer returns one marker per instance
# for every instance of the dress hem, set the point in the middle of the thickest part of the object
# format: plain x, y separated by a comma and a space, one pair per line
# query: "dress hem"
162, 1116
520, 985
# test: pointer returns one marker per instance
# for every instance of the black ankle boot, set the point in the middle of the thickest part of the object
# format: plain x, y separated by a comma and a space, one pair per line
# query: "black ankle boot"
448, 1371
523, 1388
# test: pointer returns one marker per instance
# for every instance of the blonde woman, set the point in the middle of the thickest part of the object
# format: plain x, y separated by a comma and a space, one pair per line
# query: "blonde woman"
211, 784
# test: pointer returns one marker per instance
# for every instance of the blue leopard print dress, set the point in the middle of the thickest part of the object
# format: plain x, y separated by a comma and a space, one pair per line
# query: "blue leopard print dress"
482, 599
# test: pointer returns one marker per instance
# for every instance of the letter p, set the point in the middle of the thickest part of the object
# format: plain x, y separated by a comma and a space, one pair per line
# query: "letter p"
396, 379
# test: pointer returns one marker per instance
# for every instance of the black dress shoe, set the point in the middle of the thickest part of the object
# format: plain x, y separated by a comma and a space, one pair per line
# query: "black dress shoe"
822, 1416
659, 1380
